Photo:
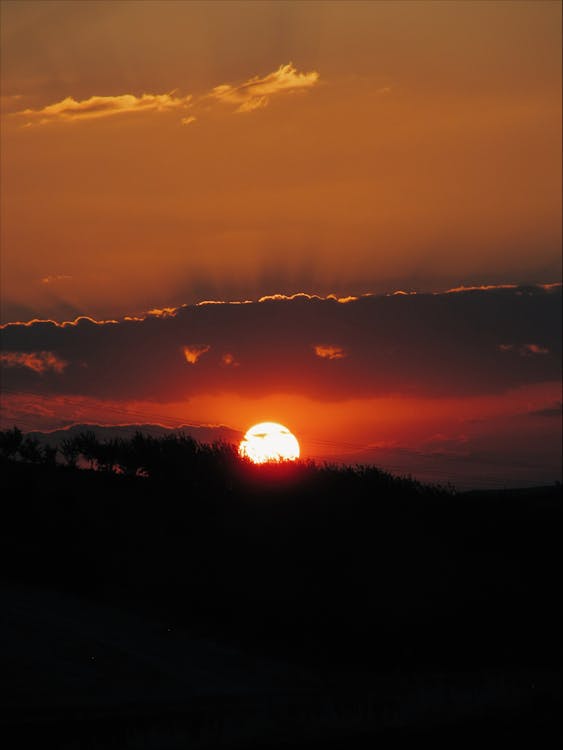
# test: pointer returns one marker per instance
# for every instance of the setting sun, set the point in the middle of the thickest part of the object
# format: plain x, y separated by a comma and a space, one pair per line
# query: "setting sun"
269, 441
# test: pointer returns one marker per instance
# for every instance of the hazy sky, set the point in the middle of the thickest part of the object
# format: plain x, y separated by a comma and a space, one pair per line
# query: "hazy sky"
157, 154
416, 145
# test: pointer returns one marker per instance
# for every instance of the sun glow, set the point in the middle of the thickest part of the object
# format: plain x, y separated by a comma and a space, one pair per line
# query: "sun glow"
269, 441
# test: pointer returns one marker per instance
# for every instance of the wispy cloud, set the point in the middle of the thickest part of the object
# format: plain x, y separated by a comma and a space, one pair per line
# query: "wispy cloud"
96, 107
256, 92
82, 320
481, 288
250, 95
54, 278
524, 350
304, 296
228, 360
37, 361
330, 351
163, 312
193, 353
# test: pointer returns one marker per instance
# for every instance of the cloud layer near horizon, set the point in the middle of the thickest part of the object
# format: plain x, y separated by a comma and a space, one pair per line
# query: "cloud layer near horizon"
452, 344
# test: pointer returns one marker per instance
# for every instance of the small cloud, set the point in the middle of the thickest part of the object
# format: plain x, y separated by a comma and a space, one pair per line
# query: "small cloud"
37, 361
80, 321
256, 92
533, 349
482, 288
286, 297
330, 352
96, 107
524, 350
383, 90
163, 312
188, 120
228, 360
54, 278
251, 104
193, 353
223, 302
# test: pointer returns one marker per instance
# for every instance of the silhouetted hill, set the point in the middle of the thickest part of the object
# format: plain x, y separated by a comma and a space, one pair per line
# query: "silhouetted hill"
346, 573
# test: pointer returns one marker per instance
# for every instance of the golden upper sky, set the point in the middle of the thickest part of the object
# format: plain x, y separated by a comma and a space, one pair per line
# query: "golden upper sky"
158, 153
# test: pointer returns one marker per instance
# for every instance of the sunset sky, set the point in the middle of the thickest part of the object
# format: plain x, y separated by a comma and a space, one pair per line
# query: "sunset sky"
378, 182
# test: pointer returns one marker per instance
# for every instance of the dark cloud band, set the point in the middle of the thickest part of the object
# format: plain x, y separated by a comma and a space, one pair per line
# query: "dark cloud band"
462, 343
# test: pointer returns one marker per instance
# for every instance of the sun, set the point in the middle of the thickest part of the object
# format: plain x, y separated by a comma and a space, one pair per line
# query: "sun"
269, 441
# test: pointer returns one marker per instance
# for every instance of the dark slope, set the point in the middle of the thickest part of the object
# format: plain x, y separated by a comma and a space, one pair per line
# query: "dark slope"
341, 587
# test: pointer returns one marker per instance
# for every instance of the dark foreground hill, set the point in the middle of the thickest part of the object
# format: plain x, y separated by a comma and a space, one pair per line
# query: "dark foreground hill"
348, 606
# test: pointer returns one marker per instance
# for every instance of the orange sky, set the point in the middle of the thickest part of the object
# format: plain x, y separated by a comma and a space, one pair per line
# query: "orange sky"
157, 154
422, 150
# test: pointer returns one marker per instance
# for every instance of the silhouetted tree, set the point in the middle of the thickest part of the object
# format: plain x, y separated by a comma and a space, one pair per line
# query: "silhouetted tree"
106, 455
49, 455
10, 441
127, 460
87, 445
30, 450
70, 449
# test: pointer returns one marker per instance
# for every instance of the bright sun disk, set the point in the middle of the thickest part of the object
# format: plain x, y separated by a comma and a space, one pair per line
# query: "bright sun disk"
269, 441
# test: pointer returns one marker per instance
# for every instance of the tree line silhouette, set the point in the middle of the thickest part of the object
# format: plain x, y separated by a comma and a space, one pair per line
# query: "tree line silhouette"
142, 455
169, 456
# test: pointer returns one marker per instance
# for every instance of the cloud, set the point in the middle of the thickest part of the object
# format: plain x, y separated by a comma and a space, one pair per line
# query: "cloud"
163, 312
39, 362
483, 288
533, 349
193, 353
96, 107
304, 295
256, 92
329, 352
81, 320
54, 278
246, 97
524, 350
228, 360
427, 345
